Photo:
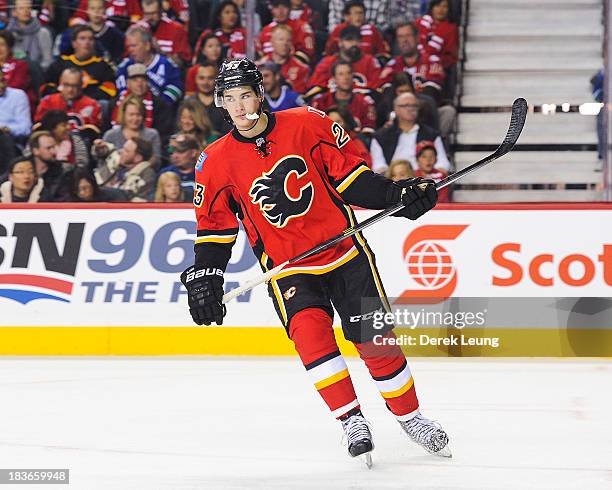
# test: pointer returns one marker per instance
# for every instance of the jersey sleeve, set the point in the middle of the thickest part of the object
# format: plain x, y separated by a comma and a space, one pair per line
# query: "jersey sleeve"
347, 171
217, 224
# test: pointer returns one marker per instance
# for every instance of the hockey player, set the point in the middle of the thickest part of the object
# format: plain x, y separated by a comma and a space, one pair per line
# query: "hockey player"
290, 177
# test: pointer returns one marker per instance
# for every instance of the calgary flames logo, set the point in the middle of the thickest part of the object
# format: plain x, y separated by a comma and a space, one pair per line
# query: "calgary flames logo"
283, 192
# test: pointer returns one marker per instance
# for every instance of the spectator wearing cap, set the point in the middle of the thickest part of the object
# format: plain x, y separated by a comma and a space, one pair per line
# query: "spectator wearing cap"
15, 122
164, 76
184, 150
71, 149
32, 40
128, 169
204, 86
23, 185
278, 95
159, 114
294, 71
399, 140
361, 106
192, 119
426, 156
372, 41
171, 36
226, 25
344, 118
399, 170
85, 113
110, 41
302, 34
131, 118
98, 81
366, 68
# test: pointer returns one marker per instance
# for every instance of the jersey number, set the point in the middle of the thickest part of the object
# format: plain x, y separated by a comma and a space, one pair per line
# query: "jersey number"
198, 195
342, 138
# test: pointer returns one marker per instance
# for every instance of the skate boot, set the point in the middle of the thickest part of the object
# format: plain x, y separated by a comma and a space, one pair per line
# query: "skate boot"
427, 434
358, 436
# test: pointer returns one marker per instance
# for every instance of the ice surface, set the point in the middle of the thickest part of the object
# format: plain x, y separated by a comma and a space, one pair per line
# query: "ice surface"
217, 423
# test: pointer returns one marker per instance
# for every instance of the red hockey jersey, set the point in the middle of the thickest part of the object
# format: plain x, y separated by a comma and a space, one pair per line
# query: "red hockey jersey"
294, 71
172, 39
366, 73
426, 71
302, 38
372, 41
361, 106
288, 199
130, 8
233, 42
83, 113
441, 38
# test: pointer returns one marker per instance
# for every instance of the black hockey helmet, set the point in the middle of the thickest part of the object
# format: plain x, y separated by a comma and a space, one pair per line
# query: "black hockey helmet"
236, 73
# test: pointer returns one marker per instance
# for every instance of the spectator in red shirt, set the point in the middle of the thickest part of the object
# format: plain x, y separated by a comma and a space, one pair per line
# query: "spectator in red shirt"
344, 118
226, 25
16, 72
171, 36
372, 41
361, 106
427, 155
302, 35
300, 10
210, 51
438, 35
84, 113
294, 71
366, 68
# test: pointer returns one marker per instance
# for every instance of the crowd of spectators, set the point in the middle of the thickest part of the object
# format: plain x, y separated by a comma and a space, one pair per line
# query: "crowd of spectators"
113, 99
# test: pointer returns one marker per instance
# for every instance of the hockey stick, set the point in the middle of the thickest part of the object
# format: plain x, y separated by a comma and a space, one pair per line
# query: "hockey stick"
517, 121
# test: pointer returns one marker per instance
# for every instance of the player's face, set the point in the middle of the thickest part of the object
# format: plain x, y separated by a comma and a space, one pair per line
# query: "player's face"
406, 40
71, 85
440, 11
238, 102
229, 17
85, 190
205, 80
356, 16
427, 160
400, 172
281, 42
344, 77
83, 45
95, 11
280, 13
212, 49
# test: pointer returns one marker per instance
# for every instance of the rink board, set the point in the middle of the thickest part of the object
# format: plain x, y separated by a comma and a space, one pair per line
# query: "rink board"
103, 279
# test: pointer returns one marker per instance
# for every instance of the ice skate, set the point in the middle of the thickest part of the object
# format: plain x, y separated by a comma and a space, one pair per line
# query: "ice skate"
427, 434
358, 436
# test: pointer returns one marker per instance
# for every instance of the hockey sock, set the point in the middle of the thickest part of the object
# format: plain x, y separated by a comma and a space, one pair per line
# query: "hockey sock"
313, 335
389, 369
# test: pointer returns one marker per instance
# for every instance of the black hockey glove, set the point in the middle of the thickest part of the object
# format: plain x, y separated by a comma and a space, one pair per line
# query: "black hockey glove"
416, 200
205, 293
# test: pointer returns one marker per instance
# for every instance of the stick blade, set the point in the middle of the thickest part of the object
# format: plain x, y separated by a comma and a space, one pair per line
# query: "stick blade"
517, 122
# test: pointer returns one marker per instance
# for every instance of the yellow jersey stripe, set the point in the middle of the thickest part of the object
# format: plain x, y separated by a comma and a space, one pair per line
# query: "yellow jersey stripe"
279, 300
400, 392
351, 254
352, 176
332, 379
215, 239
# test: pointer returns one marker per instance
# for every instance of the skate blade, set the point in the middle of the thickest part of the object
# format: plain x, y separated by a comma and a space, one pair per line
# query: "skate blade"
367, 459
445, 452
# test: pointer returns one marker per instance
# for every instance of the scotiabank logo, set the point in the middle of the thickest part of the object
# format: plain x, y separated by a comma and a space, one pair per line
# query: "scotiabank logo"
429, 263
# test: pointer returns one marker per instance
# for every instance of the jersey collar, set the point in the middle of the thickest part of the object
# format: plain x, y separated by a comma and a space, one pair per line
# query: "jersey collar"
271, 123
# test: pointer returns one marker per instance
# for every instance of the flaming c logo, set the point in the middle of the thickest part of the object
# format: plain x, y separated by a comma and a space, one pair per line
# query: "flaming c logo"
429, 263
